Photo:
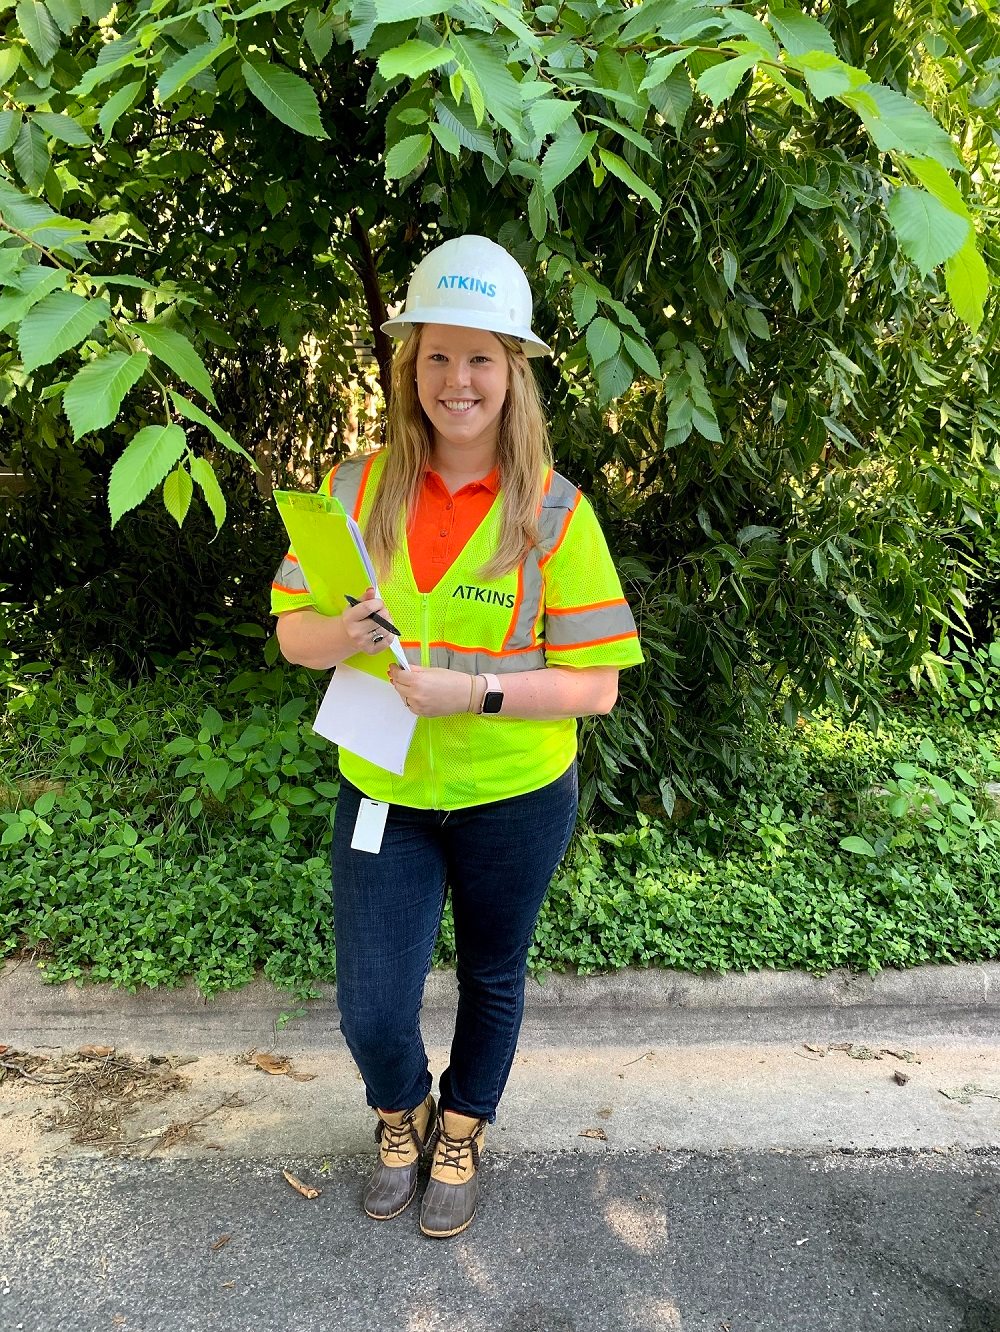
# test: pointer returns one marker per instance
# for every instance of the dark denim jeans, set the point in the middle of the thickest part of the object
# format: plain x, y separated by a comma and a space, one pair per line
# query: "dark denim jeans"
498, 860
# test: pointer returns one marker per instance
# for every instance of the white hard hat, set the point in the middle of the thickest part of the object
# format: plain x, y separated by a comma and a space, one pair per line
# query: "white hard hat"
470, 282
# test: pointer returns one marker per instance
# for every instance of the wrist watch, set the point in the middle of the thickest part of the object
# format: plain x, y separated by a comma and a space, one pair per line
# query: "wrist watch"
493, 698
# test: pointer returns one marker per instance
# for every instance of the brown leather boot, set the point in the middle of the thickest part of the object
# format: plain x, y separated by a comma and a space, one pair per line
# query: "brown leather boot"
453, 1191
401, 1136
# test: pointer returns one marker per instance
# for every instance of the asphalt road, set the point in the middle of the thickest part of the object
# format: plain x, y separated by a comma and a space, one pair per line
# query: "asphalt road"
740, 1241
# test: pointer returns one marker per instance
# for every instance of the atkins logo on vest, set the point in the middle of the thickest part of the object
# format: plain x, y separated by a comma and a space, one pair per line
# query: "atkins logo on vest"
469, 592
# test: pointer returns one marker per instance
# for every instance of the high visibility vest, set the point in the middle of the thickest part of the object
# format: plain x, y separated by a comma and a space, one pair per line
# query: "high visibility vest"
500, 625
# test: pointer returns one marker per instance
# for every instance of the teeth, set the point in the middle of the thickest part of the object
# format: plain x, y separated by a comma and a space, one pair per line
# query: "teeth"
461, 406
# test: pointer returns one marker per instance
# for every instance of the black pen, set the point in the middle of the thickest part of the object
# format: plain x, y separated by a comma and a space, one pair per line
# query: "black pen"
383, 624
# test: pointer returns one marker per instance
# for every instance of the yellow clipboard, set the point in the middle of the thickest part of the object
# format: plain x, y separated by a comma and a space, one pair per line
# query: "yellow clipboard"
334, 561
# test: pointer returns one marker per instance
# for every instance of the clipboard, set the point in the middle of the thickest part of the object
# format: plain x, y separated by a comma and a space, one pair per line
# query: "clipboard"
335, 563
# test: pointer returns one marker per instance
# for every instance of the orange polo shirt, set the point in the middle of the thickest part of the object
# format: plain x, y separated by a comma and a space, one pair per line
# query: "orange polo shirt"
444, 522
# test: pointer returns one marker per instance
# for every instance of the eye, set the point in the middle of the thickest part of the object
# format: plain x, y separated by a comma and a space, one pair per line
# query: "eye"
487, 359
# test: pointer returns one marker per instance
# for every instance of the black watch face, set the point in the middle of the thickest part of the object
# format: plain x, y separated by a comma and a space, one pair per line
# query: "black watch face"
492, 702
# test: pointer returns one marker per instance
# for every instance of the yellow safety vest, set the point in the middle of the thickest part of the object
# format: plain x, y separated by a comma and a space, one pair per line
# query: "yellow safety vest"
517, 622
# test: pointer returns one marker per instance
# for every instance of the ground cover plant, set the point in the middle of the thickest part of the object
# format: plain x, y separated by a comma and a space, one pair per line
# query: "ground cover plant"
178, 827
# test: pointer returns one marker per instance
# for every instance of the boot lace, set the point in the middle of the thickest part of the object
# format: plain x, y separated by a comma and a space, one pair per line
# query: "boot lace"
453, 1151
396, 1139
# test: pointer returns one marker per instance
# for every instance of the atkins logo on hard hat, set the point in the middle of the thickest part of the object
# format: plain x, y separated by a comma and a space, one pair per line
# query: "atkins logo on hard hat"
453, 280
470, 282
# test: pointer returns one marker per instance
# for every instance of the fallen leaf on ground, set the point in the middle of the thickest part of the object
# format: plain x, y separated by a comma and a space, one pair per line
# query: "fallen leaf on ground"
593, 1133
220, 1243
816, 1049
96, 1051
901, 1077
907, 1056
4, 1049
305, 1189
271, 1063
301, 1077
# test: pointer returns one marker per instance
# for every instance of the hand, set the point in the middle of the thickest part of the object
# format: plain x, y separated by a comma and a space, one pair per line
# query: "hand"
364, 634
432, 691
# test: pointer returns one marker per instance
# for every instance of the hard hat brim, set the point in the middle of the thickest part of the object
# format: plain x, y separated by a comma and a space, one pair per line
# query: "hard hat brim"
400, 325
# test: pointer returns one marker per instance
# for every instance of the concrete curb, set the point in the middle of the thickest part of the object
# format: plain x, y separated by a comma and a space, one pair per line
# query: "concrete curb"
965, 986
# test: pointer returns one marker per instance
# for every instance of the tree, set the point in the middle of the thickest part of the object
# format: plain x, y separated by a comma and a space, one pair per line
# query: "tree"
753, 245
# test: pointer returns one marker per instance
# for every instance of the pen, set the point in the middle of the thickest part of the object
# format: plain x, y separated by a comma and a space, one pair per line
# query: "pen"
383, 624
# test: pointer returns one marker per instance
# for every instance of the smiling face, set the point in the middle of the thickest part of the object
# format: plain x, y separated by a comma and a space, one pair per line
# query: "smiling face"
462, 384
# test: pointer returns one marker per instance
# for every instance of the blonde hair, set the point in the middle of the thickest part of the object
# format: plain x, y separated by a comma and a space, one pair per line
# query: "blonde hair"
523, 452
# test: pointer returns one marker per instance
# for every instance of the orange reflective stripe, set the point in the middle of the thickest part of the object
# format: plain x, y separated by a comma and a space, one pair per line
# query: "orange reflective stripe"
555, 649
363, 486
292, 591
579, 610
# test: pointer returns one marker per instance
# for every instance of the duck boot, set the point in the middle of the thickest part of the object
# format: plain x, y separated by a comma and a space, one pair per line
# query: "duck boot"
452, 1193
402, 1135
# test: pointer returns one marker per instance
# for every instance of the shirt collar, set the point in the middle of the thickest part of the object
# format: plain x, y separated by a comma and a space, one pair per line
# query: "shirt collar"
490, 482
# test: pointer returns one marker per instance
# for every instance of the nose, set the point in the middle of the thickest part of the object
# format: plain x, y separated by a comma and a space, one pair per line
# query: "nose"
458, 373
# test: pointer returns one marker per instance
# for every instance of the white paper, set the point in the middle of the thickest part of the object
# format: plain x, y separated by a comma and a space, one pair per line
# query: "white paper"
369, 826
366, 716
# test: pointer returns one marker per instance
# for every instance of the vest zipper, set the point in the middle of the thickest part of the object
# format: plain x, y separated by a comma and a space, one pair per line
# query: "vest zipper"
425, 660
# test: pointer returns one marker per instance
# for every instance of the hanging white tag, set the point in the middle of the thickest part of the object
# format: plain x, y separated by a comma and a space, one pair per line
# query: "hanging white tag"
370, 826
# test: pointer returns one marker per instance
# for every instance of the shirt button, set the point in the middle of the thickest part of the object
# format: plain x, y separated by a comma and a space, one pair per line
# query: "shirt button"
449, 505
444, 533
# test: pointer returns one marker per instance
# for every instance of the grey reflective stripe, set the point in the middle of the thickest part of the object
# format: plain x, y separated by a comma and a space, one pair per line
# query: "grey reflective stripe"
290, 577
347, 481
557, 504
478, 663
588, 626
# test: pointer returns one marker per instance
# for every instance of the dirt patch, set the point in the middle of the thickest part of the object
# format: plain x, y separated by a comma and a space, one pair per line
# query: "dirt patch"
96, 1090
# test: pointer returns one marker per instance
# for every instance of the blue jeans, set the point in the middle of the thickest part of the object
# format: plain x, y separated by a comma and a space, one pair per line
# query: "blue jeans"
498, 860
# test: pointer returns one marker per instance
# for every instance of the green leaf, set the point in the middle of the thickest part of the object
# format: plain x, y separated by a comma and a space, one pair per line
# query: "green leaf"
186, 408
643, 356
584, 300
537, 214
64, 128
899, 124
501, 91
968, 283
68, 14
505, 15
149, 456
394, 11
318, 32
564, 154
549, 114
603, 340
934, 177
190, 64
41, 33
203, 472
116, 106
177, 491
798, 33
10, 63
412, 59
176, 351
448, 140
858, 846
10, 127
406, 156
928, 232
462, 123
828, 75
620, 168
720, 81
35, 283
55, 325
662, 67
95, 393
286, 96
614, 376
31, 155
639, 140
673, 98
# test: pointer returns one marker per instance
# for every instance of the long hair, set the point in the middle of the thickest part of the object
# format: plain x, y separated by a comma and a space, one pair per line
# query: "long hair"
523, 452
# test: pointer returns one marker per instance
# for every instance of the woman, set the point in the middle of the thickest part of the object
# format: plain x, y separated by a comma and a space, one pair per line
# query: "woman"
512, 615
